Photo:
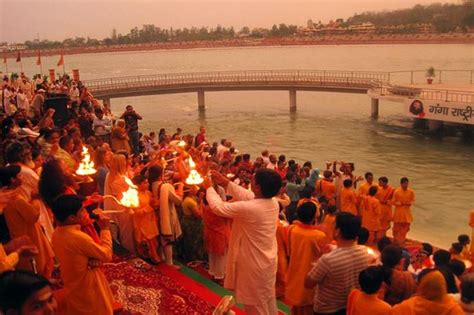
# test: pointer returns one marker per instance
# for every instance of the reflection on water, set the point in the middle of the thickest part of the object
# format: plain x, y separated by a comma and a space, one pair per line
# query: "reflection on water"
327, 126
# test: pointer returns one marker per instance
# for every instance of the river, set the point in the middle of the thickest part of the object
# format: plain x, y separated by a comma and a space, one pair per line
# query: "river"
327, 126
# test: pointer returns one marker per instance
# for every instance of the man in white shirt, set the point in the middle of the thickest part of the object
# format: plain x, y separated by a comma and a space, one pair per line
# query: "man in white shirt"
252, 254
102, 126
22, 101
74, 94
273, 162
221, 149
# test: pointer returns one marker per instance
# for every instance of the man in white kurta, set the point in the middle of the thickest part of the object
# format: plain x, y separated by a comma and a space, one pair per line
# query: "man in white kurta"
252, 256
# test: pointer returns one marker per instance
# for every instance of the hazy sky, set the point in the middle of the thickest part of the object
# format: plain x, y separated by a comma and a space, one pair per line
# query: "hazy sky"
21, 20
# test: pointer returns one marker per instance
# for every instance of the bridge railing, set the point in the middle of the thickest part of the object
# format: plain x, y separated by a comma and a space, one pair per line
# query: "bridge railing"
275, 77
441, 76
425, 94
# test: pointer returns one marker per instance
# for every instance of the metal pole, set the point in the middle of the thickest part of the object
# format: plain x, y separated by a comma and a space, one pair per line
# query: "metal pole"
440, 72
411, 80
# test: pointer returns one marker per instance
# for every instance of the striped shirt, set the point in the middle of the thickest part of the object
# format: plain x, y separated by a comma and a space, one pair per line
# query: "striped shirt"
336, 274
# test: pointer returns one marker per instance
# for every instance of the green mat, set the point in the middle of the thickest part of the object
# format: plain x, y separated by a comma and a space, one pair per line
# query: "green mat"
214, 287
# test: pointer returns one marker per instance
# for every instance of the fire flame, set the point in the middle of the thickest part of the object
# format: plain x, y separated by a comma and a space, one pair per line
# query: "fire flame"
130, 197
194, 178
86, 167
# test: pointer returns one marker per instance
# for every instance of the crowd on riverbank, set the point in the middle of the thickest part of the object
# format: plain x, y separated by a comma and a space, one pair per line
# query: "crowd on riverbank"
267, 226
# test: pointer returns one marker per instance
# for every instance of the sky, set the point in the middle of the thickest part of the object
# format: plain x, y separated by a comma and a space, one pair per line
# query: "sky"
22, 20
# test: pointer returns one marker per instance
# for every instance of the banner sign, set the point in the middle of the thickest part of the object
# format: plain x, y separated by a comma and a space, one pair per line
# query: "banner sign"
439, 110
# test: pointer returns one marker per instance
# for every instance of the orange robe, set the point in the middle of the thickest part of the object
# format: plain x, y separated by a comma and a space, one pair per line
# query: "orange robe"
87, 290
370, 213
329, 226
403, 200
301, 257
364, 188
327, 189
22, 219
348, 199
144, 219
431, 298
361, 303
7, 262
384, 195
282, 238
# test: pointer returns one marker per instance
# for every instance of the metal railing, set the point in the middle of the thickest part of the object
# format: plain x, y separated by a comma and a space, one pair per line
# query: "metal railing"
423, 93
441, 76
383, 83
356, 79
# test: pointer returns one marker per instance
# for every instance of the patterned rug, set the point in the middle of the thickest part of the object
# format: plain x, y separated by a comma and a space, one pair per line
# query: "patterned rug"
146, 289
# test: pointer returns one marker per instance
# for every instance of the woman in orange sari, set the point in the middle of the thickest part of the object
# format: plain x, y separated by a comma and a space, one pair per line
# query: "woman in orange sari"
431, 298
115, 185
216, 239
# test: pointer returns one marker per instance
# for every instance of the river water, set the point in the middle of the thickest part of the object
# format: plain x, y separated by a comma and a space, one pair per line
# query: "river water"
327, 126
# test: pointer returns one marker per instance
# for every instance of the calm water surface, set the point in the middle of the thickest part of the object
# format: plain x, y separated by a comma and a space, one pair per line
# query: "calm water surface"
327, 126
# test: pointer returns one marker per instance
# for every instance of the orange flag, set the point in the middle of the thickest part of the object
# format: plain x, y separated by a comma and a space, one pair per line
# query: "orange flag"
61, 60
18, 57
38, 61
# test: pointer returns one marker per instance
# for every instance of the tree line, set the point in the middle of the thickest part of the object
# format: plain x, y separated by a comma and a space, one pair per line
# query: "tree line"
150, 33
444, 17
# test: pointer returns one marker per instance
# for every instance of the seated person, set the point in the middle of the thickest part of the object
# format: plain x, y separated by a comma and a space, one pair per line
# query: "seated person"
23, 292
366, 301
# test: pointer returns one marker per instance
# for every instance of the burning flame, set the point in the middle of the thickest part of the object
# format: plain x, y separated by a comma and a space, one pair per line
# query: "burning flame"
192, 165
86, 167
181, 144
130, 197
193, 178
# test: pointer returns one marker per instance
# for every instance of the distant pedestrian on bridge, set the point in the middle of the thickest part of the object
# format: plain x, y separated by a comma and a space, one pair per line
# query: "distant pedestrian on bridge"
131, 123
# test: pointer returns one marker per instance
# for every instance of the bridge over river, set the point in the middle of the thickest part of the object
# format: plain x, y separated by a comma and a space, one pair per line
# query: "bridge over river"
378, 85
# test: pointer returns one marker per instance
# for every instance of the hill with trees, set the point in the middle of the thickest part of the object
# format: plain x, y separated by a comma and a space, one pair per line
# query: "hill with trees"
444, 17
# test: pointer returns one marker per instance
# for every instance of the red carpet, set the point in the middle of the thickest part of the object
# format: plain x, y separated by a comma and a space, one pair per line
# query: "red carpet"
146, 289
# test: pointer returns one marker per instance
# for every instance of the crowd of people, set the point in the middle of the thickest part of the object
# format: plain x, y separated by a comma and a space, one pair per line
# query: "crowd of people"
266, 228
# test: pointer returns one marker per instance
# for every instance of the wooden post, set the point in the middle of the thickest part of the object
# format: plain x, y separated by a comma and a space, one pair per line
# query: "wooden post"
201, 101
374, 111
52, 75
292, 100
76, 75
106, 102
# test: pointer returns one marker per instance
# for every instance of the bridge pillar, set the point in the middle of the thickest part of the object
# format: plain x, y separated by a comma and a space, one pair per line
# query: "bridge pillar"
106, 100
201, 101
435, 125
292, 100
374, 110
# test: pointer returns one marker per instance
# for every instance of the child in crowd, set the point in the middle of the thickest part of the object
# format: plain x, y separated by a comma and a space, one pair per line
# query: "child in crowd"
370, 209
23, 292
366, 300
305, 245
216, 238
86, 287
144, 222
422, 259
464, 240
456, 251
329, 222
